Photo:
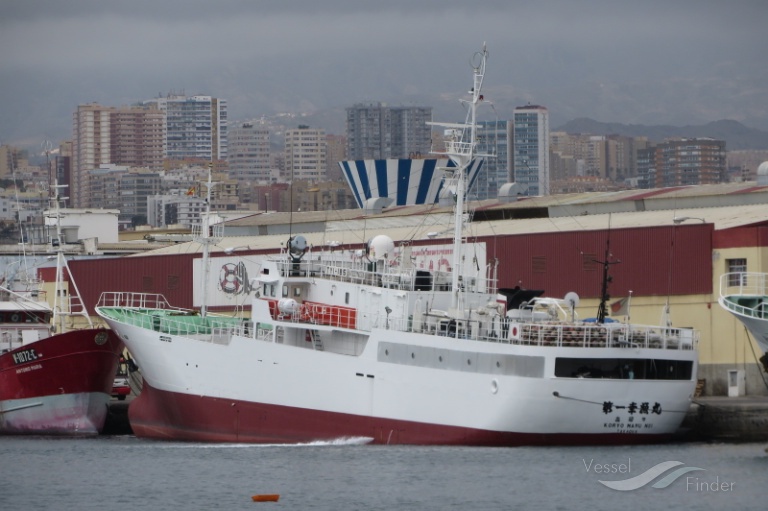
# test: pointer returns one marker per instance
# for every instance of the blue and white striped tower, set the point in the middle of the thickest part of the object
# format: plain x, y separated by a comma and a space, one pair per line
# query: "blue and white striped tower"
406, 182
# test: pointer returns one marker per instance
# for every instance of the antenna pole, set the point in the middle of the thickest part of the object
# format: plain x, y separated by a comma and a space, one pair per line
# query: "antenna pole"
61, 267
602, 309
463, 153
204, 240
460, 149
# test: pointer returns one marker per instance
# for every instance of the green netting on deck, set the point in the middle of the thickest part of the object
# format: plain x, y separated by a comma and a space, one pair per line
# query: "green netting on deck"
172, 322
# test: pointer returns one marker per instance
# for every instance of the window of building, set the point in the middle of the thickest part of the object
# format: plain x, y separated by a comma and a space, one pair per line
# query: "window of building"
734, 267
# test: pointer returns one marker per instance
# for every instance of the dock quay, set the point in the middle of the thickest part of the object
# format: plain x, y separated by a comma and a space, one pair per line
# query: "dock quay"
727, 419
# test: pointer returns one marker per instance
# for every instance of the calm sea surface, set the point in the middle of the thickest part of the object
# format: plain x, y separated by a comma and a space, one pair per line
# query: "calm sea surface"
123, 472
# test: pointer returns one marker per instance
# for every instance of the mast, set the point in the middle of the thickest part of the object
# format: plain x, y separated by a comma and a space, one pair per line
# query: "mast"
60, 312
602, 308
206, 240
460, 147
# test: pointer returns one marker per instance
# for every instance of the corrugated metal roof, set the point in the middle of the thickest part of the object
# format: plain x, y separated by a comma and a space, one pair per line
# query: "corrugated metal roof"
660, 198
418, 227
724, 205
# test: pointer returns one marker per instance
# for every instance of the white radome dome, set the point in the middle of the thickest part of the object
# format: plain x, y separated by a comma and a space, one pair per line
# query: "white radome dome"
380, 248
762, 173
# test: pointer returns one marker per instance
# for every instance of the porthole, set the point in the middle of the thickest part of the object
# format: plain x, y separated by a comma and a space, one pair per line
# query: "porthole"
494, 386
498, 364
413, 355
469, 362
386, 353
440, 358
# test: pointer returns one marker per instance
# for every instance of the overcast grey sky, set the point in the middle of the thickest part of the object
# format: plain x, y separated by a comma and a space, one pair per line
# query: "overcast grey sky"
652, 62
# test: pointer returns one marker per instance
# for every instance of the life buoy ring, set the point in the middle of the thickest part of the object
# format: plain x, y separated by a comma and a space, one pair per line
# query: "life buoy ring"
15, 317
229, 279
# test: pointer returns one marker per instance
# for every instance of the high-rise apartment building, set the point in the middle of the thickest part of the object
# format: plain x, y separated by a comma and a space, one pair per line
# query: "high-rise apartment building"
62, 165
530, 148
102, 135
12, 158
376, 131
612, 158
138, 137
124, 189
411, 135
91, 148
249, 153
492, 141
335, 151
305, 154
683, 162
196, 126
168, 210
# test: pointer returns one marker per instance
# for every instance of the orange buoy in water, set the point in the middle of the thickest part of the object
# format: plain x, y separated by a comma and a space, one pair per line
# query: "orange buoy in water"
266, 498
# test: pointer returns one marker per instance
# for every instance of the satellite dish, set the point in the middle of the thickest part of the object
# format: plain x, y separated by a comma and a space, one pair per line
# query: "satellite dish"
572, 299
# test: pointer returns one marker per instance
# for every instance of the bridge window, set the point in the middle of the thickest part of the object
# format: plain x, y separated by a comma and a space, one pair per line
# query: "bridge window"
622, 369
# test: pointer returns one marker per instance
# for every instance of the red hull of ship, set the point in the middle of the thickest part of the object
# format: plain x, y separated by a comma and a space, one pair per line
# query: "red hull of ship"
172, 416
59, 385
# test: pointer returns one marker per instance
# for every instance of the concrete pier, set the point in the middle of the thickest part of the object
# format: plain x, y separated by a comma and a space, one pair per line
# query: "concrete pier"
727, 419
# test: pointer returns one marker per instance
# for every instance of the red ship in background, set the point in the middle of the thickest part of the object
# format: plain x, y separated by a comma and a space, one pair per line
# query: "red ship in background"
56, 368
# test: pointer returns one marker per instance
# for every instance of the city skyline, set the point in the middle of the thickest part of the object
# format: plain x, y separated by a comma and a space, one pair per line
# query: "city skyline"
685, 62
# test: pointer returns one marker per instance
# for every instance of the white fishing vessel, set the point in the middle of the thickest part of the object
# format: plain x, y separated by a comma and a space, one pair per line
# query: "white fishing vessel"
347, 343
745, 295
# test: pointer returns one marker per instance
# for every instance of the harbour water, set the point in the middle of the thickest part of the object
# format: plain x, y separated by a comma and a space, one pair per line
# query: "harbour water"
123, 472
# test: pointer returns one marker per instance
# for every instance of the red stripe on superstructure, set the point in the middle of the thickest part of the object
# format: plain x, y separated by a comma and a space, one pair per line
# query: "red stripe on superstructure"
319, 313
334, 315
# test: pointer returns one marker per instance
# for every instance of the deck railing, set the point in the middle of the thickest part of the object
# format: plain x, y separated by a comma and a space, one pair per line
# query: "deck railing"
152, 311
135, 300
745, 293
133, 309
405, 279
542, 333
743, 283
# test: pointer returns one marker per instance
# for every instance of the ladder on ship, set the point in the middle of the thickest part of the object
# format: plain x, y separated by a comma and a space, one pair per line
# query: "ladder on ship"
76, 305
317, 342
